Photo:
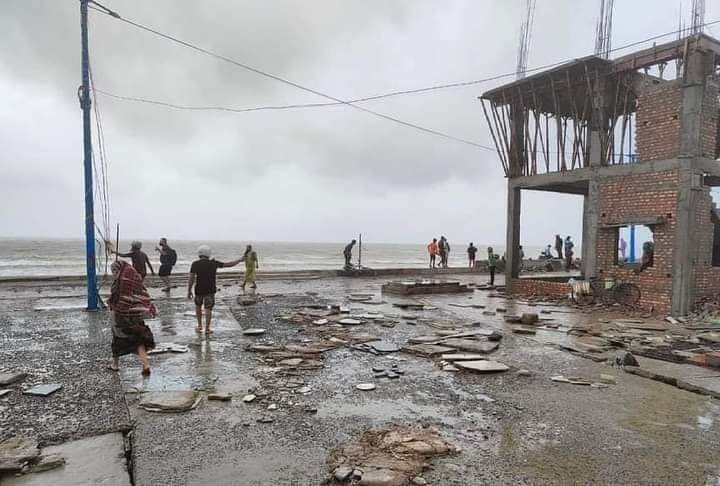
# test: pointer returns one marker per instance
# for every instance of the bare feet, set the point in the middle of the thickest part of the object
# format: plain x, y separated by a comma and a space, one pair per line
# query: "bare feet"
198, 330
146, 372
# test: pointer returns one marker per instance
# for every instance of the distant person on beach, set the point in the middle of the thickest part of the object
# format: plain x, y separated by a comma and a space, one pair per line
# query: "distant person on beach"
444, 248
130, 303
559, 246
569, 245
203, 274
251, 266
471, 251
140, 260
492, 264
168, 259
547, 253
347, 253
433, 251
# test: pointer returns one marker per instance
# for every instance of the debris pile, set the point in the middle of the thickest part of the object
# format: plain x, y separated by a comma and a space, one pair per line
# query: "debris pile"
425, 287
390, 456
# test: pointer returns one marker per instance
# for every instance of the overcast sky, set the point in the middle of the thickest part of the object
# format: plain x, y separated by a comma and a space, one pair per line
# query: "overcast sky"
314, 174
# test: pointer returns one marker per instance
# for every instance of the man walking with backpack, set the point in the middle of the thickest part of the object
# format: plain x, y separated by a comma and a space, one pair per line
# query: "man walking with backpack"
168, 259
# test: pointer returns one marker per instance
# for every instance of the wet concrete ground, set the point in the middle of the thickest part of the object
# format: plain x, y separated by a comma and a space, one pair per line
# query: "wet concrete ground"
511, 429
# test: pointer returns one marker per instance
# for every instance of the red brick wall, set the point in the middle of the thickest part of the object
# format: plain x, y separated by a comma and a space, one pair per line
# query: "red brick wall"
634, 197
707, 277
657, 128
544, 288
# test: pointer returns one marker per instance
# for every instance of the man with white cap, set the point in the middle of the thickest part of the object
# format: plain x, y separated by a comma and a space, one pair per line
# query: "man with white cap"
203, 274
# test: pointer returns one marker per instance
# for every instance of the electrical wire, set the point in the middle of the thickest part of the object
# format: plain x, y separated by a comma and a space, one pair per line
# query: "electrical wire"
459, 84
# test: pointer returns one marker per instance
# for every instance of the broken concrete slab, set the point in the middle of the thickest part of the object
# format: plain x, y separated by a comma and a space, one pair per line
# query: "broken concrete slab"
169, 348
529, 318
170, 401
384, 346
523, 330
427, 349
47, 462
424, 339
253, 331
462, 357
16, 452
350, 322
107, 466
43, 390
482, 366
482, 347
11, 377
220, 396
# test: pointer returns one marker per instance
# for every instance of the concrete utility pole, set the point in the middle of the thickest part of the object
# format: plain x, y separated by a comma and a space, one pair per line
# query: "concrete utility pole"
84, 95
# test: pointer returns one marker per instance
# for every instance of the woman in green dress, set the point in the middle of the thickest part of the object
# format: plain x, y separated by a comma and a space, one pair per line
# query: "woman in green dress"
251, 266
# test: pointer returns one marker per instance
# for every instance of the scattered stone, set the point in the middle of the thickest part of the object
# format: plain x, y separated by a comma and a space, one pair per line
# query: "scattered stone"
4, 392
500, 309
378, 369
12, 377
524, 373
350, 322
222, 397
427, 349
357, 473
169, 348
384, 347
342, 473
266, 420
320, 322
523, 330
170, 401
365, 386
607, 379
529, 318
559, 379
291, 362
495, 336
43, 390
461, 356
382, 477
488, 313
482, 366
473, 346
392, 375
599, 385
449, 367
511, 319
46, 463
272, 406
419, 481
627, 359
304, 390
254, 331
672, 320
247, 301
248, 398
16, 452
382, 374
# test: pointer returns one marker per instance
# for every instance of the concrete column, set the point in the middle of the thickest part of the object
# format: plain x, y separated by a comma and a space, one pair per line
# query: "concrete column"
683, 275
512, 242
698, 67
590, 229
595, 149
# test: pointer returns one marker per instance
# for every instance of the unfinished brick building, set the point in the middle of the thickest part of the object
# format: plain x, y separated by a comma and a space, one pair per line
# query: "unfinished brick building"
639, 146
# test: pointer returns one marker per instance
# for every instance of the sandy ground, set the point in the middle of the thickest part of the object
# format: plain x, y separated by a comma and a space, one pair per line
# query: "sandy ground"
511, 429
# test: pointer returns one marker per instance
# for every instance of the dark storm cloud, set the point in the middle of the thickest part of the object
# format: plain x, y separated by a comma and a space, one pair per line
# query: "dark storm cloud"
325, 163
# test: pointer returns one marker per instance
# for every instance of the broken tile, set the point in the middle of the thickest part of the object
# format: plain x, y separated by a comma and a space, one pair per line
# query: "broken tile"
43, 390
482, 366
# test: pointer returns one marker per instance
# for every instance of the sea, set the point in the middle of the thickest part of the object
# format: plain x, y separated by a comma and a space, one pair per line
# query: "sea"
66, 257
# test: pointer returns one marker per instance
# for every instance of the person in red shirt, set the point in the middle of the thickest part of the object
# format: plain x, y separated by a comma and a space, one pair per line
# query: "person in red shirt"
433, 251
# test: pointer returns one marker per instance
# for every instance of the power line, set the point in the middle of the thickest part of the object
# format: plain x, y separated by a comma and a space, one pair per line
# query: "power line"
260, 72
459, 84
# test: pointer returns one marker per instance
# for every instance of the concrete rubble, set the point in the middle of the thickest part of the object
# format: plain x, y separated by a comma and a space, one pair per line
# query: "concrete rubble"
388, 456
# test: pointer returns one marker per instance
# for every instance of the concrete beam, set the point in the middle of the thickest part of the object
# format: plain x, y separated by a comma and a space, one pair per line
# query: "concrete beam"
591, 221
512, 242
683, 275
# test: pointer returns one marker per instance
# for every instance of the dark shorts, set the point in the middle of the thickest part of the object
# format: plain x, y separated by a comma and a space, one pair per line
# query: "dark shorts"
165, 270
205, 300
